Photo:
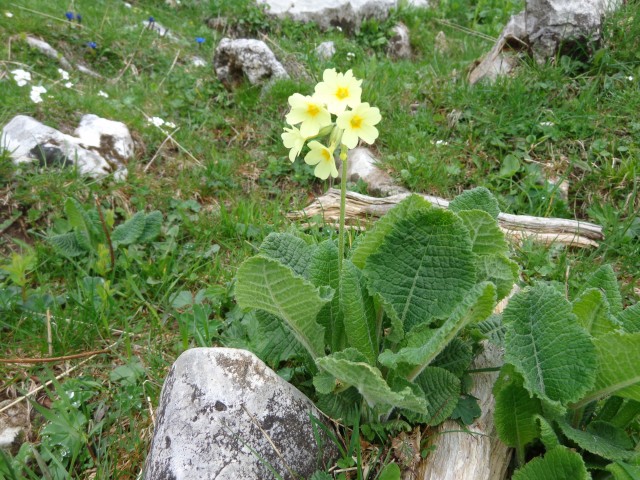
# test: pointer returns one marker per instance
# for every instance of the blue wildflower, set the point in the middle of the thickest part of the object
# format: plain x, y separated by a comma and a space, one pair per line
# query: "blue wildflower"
152, 20
79, 18
200, 40
93, 45
69, 15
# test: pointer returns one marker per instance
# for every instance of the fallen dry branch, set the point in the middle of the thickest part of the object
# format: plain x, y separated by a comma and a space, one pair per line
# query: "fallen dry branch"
361, 208
54, 359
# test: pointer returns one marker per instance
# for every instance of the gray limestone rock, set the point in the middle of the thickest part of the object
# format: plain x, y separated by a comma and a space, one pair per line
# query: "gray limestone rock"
399, 46
224, 414
100, 148
346, 14
235, 59
326, 50
362, 166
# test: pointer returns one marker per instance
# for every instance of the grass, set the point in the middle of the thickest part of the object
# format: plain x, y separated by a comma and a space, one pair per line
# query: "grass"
226, 183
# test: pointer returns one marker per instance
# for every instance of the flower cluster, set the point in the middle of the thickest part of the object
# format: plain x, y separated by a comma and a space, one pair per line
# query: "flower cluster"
311, 120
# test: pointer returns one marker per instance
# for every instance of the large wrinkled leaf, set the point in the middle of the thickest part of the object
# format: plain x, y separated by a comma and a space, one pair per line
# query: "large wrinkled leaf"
289, 250
544, 342
499, 270
476, 199
557, 464
548, 435
630, 318
274, 341
486, 236
455, 357
601, 439
323, 270
370, 242
152, 226
592, 310
266, 284
624, 471
442, 390
618, 367
424, 344
130, 231
493, 329
359, 315
424, 267
342, 406
67, 244
351, 368
605, 279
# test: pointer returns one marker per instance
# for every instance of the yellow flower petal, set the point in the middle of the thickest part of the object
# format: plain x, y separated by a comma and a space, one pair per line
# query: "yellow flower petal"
338, 90
310, 112
359, 123
322, 158
293, 139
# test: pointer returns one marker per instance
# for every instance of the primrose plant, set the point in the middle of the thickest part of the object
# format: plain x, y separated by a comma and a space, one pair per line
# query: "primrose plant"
378, 327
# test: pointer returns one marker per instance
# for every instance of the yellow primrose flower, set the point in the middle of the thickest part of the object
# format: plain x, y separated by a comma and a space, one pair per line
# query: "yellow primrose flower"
310, 112
339, 90
359, 123
293, 139
322, 158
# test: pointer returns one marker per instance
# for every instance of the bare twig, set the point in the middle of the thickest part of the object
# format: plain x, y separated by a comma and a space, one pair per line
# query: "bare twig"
64, 358
173, 64
167, 138
49, 337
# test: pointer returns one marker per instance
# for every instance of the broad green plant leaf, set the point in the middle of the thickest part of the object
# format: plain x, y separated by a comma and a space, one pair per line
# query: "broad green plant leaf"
515, 415
630, 318
592, 310
557, 464
152, 226
424, 344
624, 471
370, 242
455, 357
604, 278
390, 471
323, 270
618, 367
67, 244
359, 314
289, 250
486, 236
601, 439
442, 390
266, 284
498, 269
493, 329
544, 342
548, 435
476, 199
130, 231
275, 342
424, 267
341, 406
351, 368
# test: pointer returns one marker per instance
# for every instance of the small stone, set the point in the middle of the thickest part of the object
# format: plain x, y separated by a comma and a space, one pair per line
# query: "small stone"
111, 139
225, 415
326, 50
399, 46
236, 59
362, 165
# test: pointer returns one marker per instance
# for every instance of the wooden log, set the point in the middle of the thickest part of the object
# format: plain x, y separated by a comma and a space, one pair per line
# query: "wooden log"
362, 208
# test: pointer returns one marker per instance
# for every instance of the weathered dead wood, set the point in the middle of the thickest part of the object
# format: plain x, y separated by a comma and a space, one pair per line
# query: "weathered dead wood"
361, 208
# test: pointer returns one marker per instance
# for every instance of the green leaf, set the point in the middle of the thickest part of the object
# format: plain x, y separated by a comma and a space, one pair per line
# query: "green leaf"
324, 383
152, 226
626, 414
424, 267
605, 279
624, 471
558, 464
602, 439
268, 285
391, 471
476, 199
359, 315
515, 415
67, 244
592, 311
130, 231
442, 390
486, 236
342, 406
76, 215
351, 368
630, 318
370, 242
467, 410
83, 239
424, 344
547, 433
618, 372
498, 269
510, 166
274, 342
547, 346
456, 357
493, 329
289, 250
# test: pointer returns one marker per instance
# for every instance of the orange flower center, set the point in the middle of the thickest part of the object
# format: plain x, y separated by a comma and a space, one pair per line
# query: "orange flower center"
342, 92
312, 109
356, 122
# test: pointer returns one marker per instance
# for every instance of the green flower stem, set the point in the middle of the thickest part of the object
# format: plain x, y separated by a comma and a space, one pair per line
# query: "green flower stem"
343, 201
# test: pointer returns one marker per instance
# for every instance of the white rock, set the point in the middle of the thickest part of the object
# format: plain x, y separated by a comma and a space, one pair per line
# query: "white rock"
112, 139
347, 14
48, 50
399, 46
27, 140
246, 57
218, 412
362, 165
326, 50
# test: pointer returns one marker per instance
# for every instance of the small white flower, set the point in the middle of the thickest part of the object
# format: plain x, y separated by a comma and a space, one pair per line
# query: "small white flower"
68, 85
169, 124
547, 124
22, 77
157, 121
439, 143
8, 14
103, 94
630, 78
339, 28
351, 55
126, 4
64, 74
36, 93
